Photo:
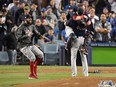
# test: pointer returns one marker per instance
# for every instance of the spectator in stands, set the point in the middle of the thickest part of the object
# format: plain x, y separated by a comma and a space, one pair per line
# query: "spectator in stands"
2, 2
48, 37
41, 29
34, 11
86, 5
4, 12
39, 5
10, 44
113, 5
13, 11
20, 11
43, 14
11, 5
106, 12
100, 5
69, 12
64, 38
59, 7
58, 3
71, 3
52, 16
53, 6
8, 21
45, 19
64, 3
7, 18
61, 23
4, 6
22, 16
103, 29
93, 18
108, 5
112, 20
2, 31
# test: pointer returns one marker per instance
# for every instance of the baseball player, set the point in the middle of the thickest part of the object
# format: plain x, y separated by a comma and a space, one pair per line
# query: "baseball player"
78, 24
32, 52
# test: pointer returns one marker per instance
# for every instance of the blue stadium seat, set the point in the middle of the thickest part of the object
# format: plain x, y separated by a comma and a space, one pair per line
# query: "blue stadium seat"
4, 59
51, 54
59, 43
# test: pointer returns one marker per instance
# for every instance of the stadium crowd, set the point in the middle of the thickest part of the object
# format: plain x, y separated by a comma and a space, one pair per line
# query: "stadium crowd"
53, 15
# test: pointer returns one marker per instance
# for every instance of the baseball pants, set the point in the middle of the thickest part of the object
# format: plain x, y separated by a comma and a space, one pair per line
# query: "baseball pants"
77, 46
31, 52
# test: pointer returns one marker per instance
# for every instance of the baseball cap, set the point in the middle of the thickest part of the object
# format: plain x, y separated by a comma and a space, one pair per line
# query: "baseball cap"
69, 7
5, 5
43, 9
26, 8
48, 7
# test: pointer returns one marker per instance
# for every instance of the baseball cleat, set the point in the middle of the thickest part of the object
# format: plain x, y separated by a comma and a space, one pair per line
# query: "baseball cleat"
32, 77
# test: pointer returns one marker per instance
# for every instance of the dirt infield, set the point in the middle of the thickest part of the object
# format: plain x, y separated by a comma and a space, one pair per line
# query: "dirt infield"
70, 82
79, 81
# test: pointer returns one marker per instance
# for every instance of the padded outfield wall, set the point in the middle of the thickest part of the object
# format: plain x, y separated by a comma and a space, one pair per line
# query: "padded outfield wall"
102, 54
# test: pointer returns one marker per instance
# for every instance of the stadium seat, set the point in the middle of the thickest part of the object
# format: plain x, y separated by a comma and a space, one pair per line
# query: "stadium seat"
51, 54
4, 59
59, 43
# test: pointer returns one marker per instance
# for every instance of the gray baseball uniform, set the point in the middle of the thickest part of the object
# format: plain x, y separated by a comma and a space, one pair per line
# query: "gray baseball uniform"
75, 47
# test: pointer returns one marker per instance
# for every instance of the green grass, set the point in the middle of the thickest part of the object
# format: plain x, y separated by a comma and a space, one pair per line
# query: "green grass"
12, 75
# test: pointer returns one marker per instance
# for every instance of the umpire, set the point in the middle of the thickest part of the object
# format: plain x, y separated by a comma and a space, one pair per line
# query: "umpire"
78, 23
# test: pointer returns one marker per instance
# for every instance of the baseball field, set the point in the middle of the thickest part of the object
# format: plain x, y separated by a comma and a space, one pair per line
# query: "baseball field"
54, 76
